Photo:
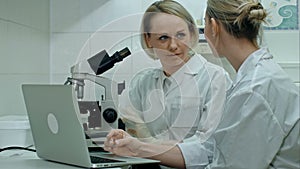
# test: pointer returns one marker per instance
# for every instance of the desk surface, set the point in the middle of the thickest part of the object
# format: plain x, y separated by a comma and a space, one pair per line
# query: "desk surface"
28, 160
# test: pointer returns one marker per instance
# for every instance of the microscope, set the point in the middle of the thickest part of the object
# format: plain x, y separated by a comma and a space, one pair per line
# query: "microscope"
98, 117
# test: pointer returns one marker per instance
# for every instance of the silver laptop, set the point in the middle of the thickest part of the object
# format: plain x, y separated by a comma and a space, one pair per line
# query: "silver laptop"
57, 132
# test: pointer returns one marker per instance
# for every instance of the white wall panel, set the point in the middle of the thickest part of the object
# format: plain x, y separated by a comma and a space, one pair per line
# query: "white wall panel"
66, 50
284, 45
11, 99
24, 50
24, 47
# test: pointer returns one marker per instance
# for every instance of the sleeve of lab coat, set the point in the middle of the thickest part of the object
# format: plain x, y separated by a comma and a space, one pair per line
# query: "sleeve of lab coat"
197, 155
198, 150
213, 102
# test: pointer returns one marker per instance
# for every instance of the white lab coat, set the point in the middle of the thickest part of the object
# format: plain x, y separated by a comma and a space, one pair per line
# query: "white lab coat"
260, 124
188, 111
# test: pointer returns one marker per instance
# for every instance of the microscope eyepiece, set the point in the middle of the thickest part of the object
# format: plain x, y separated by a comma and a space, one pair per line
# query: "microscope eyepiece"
102, 62
124, 52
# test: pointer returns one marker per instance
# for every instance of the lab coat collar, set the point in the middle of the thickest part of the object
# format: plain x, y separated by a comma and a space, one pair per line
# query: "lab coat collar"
251, 61
192, 67
187, 71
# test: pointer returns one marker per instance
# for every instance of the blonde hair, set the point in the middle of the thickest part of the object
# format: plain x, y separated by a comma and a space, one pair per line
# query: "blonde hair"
169, 7
240, 18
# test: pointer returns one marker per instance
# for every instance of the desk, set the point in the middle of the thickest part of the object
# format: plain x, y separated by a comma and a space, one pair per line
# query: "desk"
20, 159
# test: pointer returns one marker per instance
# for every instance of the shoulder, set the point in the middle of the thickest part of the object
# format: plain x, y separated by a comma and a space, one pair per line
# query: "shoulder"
212, 72
147, 74
206, 66
269, 78
271, 88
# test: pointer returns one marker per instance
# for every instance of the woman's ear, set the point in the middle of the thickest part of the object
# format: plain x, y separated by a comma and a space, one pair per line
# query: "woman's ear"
147, 40
214, 27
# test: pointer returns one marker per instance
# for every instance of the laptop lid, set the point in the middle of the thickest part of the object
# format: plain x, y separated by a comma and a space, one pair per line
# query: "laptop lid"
58, 135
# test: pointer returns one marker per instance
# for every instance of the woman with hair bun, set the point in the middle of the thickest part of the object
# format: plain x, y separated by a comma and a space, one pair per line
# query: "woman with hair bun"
260, 124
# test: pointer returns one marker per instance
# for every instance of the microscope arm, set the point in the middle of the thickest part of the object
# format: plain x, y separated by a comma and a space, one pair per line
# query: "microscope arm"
109, 85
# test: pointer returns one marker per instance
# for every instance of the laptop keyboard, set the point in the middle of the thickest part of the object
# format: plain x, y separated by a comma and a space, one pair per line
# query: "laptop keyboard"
95, 159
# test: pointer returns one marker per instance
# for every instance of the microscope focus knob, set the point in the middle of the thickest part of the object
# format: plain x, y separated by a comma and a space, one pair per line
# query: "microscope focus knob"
110, 115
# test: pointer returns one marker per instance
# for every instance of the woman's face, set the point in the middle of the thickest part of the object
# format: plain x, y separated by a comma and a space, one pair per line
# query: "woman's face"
170, 39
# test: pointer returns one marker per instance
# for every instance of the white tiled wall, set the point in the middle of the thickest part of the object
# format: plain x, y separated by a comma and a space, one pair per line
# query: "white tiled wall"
24, 50
284, 45
88, 28
41, 39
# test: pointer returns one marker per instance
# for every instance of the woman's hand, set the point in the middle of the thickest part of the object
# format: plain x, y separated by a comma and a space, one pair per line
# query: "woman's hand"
121, 143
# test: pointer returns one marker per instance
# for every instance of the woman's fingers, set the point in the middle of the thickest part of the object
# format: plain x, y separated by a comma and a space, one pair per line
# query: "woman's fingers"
112, 137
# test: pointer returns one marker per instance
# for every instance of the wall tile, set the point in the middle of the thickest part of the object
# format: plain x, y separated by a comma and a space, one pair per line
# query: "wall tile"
3, 40
30, 13
11, 100
114, 10
90, 21
23, 47
24, 50
59, 78
67, 49
19, 11
284, 45
40, 18
128, 22
81, 16
65, 15
292, 69
3, 10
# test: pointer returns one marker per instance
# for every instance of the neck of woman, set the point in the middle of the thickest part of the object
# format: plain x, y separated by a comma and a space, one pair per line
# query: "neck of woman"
171, 69
238, 51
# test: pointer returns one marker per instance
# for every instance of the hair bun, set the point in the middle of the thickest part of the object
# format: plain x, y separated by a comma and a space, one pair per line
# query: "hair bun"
257, 12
